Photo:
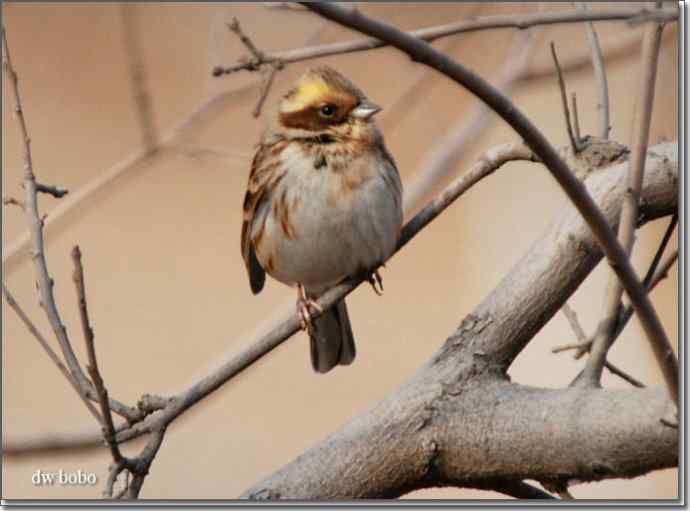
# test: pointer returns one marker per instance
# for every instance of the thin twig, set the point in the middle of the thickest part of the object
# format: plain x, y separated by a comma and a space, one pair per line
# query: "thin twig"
576, 118
424, 53
267, 81
571, 315
436, 32
235, 27
651, 279
629, 215
49, 351
44, 281
56, 192
101, 391
599, 73
137, 70
574, 142
623, 375
11, 201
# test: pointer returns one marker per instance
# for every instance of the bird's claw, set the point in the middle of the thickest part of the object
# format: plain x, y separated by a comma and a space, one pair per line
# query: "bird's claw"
375, 280
304, 303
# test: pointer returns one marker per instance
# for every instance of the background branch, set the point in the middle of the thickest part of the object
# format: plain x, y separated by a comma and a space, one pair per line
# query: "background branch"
433, 33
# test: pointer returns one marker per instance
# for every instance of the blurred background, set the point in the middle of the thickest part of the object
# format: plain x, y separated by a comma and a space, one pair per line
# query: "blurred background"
167, 289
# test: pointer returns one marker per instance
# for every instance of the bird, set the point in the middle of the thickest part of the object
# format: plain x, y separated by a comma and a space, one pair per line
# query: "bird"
323, 203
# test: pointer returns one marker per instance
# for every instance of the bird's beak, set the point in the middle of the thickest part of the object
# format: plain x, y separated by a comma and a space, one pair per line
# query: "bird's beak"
365, 110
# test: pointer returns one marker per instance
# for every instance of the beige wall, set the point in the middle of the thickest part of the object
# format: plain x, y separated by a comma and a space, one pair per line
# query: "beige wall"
167, 289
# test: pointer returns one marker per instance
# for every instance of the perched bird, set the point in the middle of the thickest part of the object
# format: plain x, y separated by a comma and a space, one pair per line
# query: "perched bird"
323, 202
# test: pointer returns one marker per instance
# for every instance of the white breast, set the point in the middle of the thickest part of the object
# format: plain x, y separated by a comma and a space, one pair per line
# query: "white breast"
337, 232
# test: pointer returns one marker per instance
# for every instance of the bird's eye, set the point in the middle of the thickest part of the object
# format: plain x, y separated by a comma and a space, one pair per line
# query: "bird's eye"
327, 110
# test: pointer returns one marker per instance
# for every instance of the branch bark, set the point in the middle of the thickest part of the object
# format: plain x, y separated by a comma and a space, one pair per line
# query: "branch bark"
459, 422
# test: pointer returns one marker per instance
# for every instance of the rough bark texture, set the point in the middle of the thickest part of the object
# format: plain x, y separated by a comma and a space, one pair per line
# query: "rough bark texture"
459, 421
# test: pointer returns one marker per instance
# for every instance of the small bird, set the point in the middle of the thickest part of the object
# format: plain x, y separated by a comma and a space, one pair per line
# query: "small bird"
323, 203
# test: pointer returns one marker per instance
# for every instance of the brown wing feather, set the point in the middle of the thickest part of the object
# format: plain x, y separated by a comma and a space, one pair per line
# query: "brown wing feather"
263, 177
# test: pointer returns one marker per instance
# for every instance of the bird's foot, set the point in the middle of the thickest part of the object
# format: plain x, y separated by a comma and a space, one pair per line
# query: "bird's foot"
304, 304
376, 282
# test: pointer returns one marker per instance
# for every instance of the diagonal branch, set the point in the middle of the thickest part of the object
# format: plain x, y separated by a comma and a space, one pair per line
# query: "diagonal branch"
491, 161
574, 141
103, 401
49, 351
454, 422
424, 53
629, 216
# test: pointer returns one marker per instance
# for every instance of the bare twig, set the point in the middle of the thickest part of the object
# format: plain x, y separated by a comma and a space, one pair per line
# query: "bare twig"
651, 272
267, 81
258, 55
432, 33
49, 351
45, 283
582, 338
574, 142
629, 215
421, 51
600, 73
56, 192
101, 391
576, 118
137, 69
651, 279
11, 201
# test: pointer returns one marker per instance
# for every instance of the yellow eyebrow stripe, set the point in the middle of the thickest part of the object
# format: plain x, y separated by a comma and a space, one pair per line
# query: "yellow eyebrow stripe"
307, 94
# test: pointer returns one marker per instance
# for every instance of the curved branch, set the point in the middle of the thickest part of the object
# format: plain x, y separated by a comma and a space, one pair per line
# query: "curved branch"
420, 51
458, 422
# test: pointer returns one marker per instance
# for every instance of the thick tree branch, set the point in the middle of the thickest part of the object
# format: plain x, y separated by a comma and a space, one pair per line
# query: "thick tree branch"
424, 53
455, 422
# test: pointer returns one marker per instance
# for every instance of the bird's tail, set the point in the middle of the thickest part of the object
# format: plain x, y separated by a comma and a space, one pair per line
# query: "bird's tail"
332, 342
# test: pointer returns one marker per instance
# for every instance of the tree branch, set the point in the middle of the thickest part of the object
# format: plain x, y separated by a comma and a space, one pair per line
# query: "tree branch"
51, 354
454, 422
599, 73
663, 352
422, 52
492, 160
433, 33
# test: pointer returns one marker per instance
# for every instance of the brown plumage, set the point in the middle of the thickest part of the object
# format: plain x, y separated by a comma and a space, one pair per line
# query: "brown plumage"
323, 202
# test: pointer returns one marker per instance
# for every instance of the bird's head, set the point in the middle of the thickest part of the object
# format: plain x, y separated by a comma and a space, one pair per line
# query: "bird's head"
325, 104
